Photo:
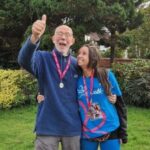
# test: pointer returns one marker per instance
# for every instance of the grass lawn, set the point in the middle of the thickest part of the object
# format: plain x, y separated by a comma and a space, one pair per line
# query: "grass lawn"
16, 129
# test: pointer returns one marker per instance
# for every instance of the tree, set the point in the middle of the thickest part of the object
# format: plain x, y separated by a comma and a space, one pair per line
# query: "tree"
140, 38
84, 16
14, 19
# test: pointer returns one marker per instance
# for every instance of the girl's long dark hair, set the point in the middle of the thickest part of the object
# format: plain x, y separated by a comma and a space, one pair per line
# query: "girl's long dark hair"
100, 73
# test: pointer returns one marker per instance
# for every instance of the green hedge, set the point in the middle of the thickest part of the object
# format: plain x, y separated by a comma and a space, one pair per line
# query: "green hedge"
134, 79
17, 87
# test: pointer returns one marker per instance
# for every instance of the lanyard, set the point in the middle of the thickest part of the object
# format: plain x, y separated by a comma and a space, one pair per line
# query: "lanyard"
88, 99
61, 74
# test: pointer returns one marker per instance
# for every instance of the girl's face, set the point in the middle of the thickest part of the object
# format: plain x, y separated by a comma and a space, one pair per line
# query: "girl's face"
83, 57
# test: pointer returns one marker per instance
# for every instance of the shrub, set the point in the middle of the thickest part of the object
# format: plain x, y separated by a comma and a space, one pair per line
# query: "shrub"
138, 91
134, 79
17, 87
118, 53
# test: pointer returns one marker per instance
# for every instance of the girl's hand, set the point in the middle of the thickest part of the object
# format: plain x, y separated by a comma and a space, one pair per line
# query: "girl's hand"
112, 98
40, 98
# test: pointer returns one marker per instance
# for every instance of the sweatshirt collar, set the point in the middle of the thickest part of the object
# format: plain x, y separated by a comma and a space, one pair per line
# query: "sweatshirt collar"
60, 54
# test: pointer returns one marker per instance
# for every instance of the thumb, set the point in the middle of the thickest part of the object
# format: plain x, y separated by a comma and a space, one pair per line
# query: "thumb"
44, 18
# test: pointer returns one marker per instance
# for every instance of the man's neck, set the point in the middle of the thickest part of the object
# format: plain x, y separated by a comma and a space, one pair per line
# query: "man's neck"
63, 53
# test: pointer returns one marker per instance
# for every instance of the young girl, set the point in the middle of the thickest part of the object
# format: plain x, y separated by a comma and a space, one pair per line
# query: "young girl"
102, 122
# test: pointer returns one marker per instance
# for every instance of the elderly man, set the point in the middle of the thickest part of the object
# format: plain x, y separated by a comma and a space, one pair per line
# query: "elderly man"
57, 117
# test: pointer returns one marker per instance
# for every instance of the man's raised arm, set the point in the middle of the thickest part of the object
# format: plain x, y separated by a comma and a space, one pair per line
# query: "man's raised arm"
26, 54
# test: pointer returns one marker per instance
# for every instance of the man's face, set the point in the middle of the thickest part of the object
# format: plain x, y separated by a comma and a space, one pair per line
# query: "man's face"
63, 39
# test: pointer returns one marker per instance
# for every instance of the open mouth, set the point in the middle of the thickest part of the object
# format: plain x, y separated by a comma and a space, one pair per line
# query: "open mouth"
62, 44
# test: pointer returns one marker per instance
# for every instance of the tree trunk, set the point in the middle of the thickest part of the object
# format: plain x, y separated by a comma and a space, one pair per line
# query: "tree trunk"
112, 54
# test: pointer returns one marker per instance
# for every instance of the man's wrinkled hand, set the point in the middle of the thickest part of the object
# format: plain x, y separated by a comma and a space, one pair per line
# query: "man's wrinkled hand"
38, 29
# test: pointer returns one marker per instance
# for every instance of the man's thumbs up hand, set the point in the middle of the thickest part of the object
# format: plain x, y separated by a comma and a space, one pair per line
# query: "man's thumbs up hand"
38, 28
44, 17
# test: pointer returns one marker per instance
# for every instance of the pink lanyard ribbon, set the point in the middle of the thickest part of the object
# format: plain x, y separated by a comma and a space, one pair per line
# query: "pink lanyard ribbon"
88, 99
61, 74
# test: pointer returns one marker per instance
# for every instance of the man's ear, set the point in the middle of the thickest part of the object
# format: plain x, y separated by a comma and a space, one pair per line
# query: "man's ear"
73, 41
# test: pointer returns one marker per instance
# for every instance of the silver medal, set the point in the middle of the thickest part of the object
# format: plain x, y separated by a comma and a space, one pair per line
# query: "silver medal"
61, 85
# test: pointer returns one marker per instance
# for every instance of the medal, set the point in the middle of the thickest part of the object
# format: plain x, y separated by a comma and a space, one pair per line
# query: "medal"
61, 85
60, 72
94, 111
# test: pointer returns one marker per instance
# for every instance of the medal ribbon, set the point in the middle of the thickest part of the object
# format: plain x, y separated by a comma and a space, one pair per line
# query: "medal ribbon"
61, 74
88, 99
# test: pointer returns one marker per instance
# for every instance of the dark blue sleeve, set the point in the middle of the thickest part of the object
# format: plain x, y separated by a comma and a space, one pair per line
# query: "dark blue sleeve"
27, 57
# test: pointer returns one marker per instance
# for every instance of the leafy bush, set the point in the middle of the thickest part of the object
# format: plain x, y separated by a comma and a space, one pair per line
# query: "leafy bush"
139, 91
17, 87
118, 53
134, 79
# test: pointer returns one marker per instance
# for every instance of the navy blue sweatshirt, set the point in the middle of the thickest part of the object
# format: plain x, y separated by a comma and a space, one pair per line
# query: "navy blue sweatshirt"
58, 114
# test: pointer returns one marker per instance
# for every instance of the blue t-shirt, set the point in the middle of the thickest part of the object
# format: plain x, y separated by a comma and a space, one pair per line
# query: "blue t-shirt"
101, 116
